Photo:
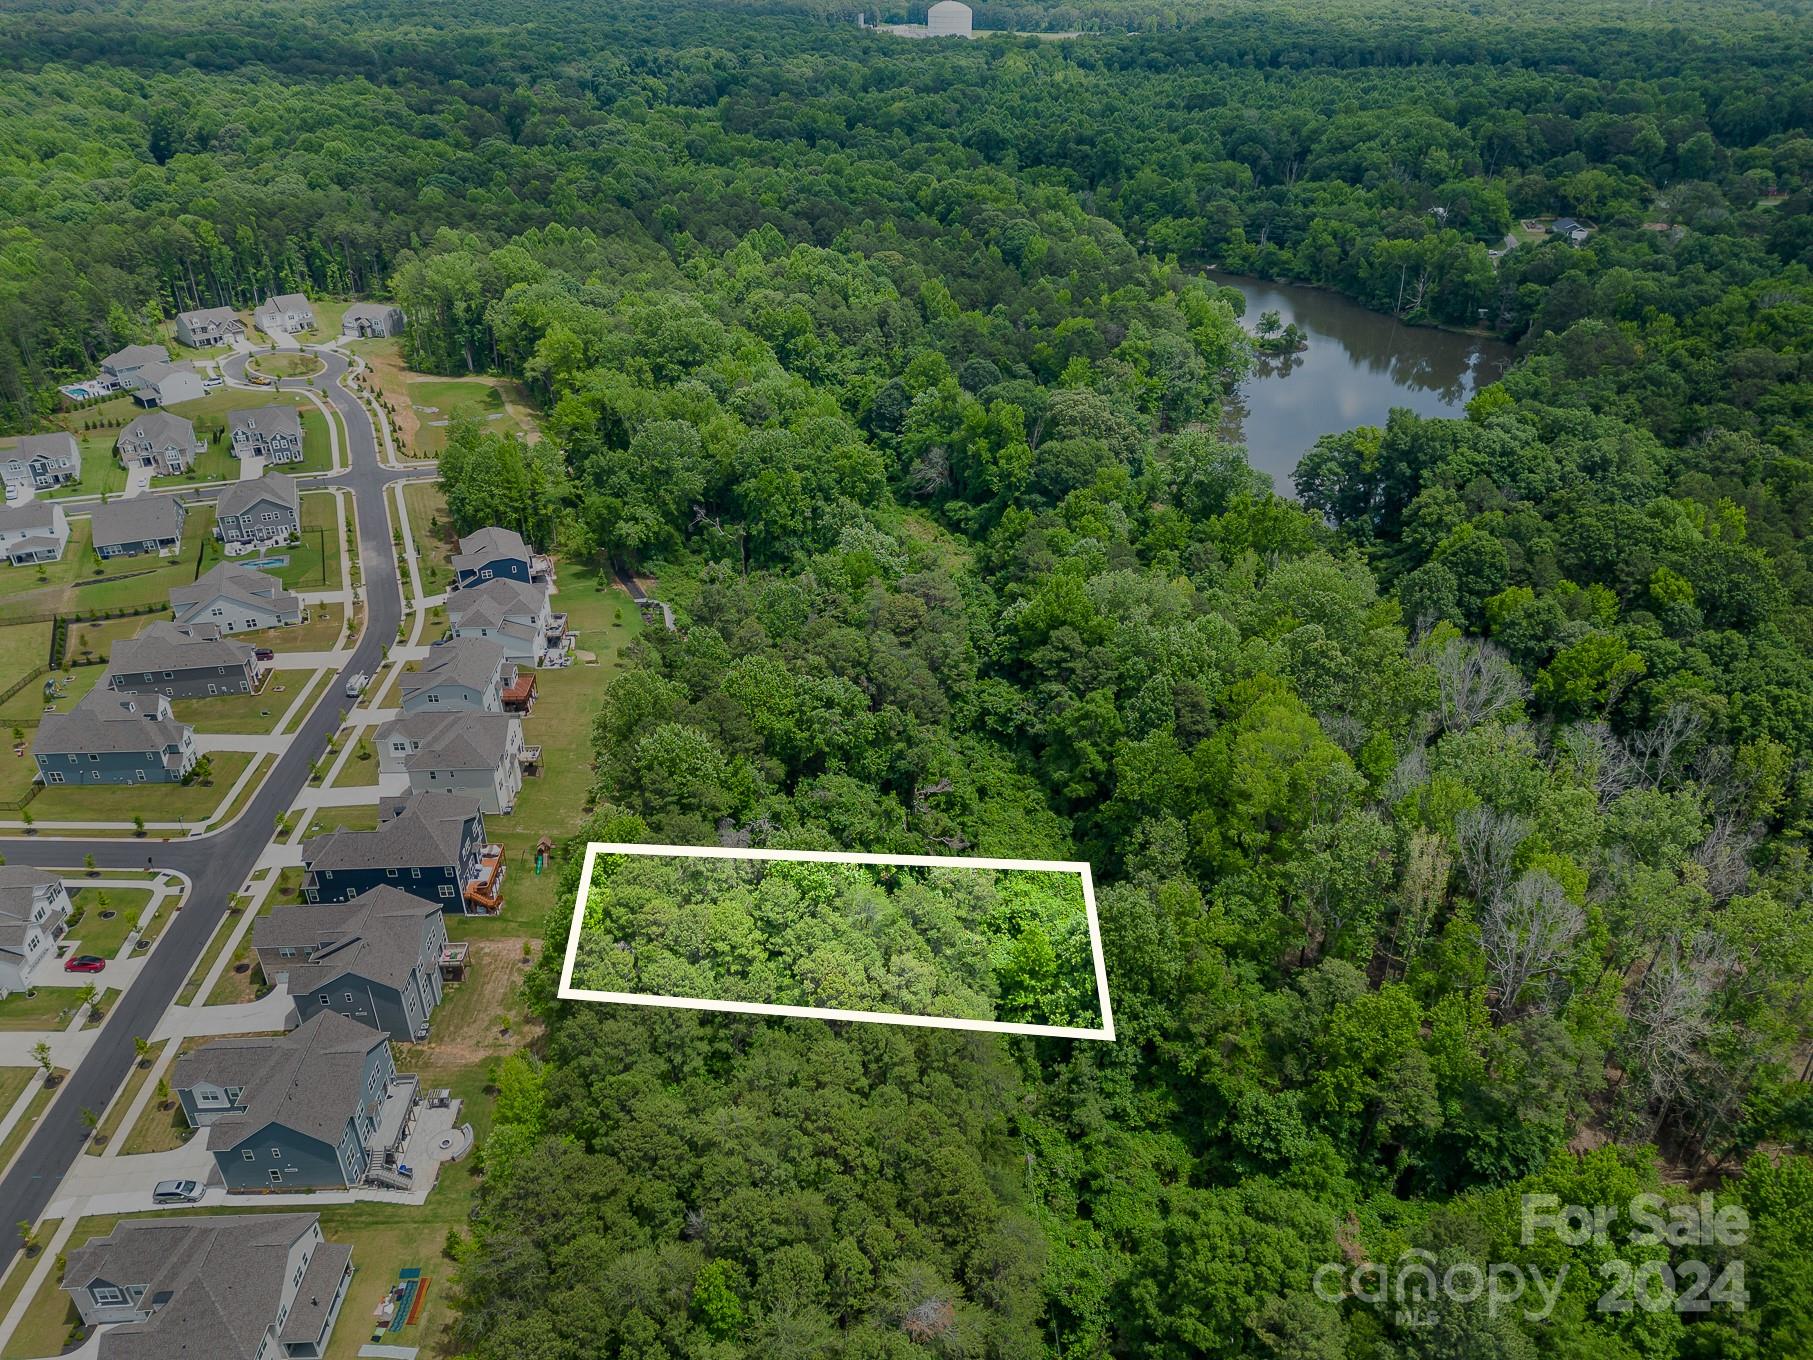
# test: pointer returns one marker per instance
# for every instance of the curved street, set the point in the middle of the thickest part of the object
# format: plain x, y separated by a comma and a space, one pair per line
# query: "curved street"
219, 863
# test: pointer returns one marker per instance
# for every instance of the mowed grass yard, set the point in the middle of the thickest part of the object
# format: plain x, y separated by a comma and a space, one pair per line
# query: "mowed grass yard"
95, 935
154, 802
317, 633
244, 713
82, 583
93, 639
218, 464
437, 400
552, 804
431, 529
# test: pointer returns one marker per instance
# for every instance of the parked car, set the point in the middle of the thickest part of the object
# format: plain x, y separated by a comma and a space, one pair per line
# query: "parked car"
258, 379
209, 384
264, 653
84, 963
176, 1192
356, 686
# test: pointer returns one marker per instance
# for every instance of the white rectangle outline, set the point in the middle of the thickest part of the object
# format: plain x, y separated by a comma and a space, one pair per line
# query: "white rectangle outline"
568, 992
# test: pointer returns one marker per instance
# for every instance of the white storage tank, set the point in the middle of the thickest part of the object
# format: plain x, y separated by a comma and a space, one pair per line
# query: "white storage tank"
948, 19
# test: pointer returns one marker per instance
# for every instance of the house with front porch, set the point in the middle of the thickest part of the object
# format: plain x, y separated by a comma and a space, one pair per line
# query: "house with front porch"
264, 510
431, 845
375, 959
371, 321
285, 314
209, 326
138, 524
162, 441
219, 1286
183, 661
36, 531
41, 461
34, 908
273, 433
112, 738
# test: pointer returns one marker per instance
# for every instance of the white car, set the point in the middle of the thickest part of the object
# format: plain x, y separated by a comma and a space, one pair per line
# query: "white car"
210, 383
356, 686
176, 1192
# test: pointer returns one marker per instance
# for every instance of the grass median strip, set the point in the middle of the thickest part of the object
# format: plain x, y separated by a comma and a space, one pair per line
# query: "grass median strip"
135, 1081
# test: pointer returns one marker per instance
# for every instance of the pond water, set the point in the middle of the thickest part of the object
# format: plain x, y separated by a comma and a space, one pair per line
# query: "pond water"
1359, 365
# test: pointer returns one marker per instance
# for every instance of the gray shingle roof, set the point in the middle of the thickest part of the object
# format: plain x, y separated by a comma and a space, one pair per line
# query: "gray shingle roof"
19, 886
216, 1281
236, 583
134, 356
453, 741
103, 721
136, 520
267, 421
287, 302
57, 444
369, 311
33, 514
202, 316
377, 935
421, 831
310, 1083
277, 487
315, 1295
496, 600
471, 662
154, 373
487, 545
161, 428
168, 646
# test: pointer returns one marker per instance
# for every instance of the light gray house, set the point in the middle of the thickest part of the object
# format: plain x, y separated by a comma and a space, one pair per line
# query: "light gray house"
273, 433
162, 441
41, 461
285, 314
236, 599
375, 959
514, 614
110, 738
223, 1287
34, 907
36, 531
371, 320
263, 510
183, 661
466, 675
208, 326
319, 1108
166, 384
122, 366
481, 754
431, 845
138, 524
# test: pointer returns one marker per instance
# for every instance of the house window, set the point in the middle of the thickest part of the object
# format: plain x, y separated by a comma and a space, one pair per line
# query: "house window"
276, 1154
56, 776
415, 873
349, 998
446, 890
326, 999
107, 1296
286, 953
248, 1154
390, 873
276, 1176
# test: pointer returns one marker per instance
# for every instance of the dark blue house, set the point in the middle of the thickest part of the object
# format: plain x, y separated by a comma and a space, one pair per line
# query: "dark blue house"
430, 845
498, 554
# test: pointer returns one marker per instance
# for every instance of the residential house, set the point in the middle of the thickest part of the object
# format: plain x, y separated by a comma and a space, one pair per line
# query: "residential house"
375, 959
36, 531
285, 314
371, 320
468, 675
167, 384
493, 554
162, 441
431, 845
263, 510
319, 1108
138, 524
481, 754
41, 461
209, 326
236, 599
273, 433
224, 1287
34, 908
1569, 230
514, 614
121, 368
111, 738
183, 661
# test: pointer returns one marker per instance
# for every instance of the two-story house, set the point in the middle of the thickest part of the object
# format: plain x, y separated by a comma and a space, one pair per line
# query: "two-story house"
36, 531
264, 510
236, 599
514, 614
166, 384
273, 433
121, 368
111, 738
223, 1287
162, 441
371, 320
34, 907
208, 326
318, 1108
183, 661
464, 676
431, 845
41, 461
481, 754
375, 959
138, 524
285, 314
498, 554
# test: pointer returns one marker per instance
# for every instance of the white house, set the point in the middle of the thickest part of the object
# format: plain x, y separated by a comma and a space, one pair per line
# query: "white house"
514, 614
285, 314
480, 754
236, 599
33, 532
166, 384
34, 905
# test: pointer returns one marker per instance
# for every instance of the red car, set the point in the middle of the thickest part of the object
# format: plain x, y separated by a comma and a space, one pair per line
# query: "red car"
84, 963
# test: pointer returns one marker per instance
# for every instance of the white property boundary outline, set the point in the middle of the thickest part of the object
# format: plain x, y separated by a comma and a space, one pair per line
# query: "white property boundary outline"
593, 849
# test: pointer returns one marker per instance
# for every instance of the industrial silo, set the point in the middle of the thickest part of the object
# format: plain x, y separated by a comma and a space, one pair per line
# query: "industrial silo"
948, 19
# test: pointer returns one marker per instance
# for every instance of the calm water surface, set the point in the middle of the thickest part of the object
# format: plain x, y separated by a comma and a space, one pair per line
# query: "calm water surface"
1358, 366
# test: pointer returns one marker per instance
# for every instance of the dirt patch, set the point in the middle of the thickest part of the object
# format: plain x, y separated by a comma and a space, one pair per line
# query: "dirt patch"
464, 1030
391, 379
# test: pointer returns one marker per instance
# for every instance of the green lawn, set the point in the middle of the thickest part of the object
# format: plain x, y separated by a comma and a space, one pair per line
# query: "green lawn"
101, 470
218, 464
223, 815
49, 1008
450, 396
82, 583
317, 633
245, 713
135, 1081
93, 640
432, 532
361, 766
23, 1267
91, 934
157, 1130
286, 364
357, 818
23, 648
155, 802
13, 1081
27, 708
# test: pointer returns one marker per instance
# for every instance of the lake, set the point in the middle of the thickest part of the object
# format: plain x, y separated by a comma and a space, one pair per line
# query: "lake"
1359, 365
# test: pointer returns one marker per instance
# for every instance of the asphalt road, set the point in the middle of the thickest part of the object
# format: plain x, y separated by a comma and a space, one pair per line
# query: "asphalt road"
217, 864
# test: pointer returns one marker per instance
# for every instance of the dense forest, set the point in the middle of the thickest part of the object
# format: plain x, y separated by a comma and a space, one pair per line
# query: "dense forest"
961, 943
1449, 823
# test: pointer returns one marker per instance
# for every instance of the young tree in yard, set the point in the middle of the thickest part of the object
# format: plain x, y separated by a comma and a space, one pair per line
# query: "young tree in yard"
28, 1237
40, 1053
90, 1121
163, 1093
138, 824
88, 863
142, 1046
